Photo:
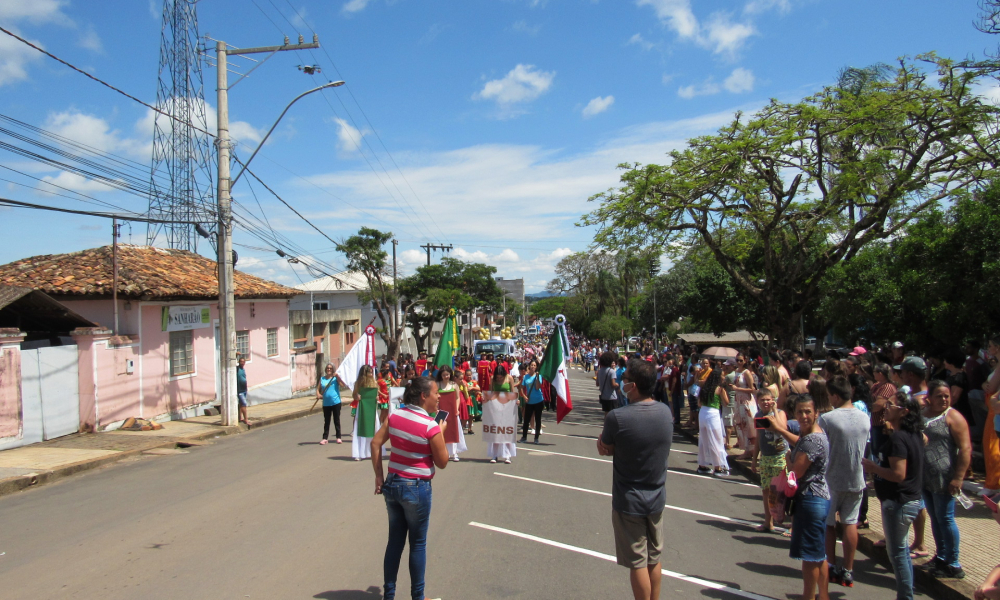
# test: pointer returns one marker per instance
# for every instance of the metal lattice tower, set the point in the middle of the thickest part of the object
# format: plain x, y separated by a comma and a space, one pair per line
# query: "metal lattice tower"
183, 186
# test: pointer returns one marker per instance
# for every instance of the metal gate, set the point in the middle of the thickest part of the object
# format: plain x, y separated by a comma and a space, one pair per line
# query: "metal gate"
50, 382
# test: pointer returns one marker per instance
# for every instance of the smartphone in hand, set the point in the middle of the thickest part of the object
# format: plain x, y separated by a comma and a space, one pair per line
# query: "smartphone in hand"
441, 416
761, 422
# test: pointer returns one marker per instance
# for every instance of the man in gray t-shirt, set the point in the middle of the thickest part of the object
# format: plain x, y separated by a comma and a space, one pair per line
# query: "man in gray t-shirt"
638, 436
847, 429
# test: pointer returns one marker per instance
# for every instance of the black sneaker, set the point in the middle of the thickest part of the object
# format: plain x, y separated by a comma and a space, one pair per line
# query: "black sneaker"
947, 572
835, 576
846, 577
522, 440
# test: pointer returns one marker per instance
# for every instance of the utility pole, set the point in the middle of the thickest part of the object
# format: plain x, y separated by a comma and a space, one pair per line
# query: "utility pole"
227, 299
429, 247
114, 267
395, 305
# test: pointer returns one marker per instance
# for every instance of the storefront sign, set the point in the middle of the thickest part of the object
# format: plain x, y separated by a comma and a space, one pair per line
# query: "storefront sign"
181, 318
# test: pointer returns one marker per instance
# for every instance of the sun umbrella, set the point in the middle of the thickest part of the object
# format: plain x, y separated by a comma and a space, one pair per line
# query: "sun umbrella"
720, 353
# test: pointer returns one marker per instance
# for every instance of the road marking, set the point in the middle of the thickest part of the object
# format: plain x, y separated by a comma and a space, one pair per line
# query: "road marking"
671, 507
604, 460
674, 575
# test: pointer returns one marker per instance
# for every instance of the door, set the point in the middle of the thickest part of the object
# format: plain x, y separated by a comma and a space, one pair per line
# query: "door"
54, 373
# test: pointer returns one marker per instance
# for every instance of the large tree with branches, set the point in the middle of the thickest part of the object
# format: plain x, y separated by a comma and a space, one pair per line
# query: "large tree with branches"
784, 195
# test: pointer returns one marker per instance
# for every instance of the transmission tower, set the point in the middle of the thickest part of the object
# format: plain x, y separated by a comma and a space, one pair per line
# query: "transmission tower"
182, 181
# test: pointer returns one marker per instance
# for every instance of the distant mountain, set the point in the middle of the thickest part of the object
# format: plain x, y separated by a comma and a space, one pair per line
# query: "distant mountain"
541, 294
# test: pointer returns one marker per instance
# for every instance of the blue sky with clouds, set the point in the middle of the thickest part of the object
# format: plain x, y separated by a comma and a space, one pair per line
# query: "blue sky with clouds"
481, 123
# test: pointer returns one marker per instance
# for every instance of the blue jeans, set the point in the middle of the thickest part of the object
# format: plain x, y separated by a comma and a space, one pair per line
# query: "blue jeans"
809, 528
941, 509
408, 502
896, 521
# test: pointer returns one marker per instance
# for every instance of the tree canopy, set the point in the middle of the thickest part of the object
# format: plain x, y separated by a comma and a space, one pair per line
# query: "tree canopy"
781, 197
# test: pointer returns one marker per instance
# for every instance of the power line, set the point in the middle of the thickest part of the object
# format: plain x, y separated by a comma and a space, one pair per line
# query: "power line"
19, 204
101, 81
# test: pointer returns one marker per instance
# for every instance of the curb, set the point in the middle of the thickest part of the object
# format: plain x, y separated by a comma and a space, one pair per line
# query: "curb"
954, 589
19, 483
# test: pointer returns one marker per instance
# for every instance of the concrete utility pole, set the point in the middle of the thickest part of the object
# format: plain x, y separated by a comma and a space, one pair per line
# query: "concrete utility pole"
429, 247
227, 300
395, 305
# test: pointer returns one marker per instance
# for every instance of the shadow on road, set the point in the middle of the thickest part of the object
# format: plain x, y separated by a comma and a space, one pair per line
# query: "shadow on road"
372, 593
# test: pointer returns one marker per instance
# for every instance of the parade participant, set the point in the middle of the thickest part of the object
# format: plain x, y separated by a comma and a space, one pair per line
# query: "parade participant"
328, 390
484, 370
409, 374
947, 455
744, 408
385, 381
502, 382
846, 429
898, 483
638, 437
366, 417
531, 393
711, 447
464, 402
809, 460
407, 488
449, 400
420, 365
772, 450
476, 412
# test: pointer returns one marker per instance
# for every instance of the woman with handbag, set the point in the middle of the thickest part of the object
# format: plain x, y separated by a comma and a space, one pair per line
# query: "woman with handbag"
808, 461
898, 483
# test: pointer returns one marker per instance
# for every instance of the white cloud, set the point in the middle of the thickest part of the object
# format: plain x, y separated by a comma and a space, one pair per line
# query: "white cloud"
739, 81
74, 182
523, 83
413, 257
91, 41
355, 6
707, 88
34, 11
759, 6
989, 90
523, 27
94, 131
597, 106
15, 58
721, 35
348, 138
638, 40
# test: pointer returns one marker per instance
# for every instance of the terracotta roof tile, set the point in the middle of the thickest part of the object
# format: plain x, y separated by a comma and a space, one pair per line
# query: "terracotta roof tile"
142, 271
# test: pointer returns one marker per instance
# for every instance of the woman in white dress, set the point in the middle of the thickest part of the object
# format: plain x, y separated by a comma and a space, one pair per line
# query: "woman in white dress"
712, 455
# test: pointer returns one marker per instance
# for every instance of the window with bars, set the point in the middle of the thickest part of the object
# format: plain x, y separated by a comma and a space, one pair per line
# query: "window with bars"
243, 345
181, 352
272, 341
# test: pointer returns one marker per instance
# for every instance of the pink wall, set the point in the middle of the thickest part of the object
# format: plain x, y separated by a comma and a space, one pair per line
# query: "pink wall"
304, 377
257, 316
102, 313
10, 385
118, 394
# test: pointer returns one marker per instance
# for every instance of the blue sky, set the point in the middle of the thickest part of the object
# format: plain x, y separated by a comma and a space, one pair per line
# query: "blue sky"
481, 123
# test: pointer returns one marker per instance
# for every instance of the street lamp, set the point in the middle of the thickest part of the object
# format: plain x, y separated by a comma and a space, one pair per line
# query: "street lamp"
268, 134
227, 297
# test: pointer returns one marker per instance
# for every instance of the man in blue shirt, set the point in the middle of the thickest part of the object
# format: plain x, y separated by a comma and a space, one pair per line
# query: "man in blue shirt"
241, 390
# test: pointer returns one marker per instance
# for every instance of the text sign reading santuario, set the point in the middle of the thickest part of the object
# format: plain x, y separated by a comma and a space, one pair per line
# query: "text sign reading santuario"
181, 318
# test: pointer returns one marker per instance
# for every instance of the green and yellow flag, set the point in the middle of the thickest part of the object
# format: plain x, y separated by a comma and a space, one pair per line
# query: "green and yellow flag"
448, 346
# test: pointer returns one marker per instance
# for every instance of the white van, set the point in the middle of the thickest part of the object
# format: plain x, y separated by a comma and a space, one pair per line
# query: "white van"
496, 346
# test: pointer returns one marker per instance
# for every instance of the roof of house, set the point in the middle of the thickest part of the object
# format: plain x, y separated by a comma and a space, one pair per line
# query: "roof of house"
143, 272
348, 281
31, 310
725, 339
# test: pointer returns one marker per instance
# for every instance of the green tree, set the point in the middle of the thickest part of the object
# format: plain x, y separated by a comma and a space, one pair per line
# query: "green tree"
365, 254
548, 308
610, 328
770, 196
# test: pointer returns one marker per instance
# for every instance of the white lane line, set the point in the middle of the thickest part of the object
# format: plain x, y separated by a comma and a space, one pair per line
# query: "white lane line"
677, 508
604, 460
680, 576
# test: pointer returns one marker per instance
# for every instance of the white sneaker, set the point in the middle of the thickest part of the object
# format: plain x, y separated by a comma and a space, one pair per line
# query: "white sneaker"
506, 461
493, 460
455, 458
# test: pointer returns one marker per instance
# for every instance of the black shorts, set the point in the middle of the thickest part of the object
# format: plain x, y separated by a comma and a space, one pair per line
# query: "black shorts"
608, 405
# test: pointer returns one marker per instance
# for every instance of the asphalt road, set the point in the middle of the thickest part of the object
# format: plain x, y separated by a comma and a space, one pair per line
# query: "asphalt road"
272, 514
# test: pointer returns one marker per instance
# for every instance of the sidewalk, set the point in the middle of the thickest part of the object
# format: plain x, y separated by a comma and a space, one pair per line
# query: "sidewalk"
37, 464
978, 547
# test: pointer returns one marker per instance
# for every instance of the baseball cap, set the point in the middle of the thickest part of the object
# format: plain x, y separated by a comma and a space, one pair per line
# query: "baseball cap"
730, 362
897, 344
913, 364
858, 351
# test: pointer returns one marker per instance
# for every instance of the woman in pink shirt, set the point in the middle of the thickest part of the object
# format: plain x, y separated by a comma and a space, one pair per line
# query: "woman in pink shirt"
417, 443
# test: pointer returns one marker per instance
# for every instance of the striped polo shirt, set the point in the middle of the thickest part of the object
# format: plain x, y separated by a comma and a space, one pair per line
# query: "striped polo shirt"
410, 433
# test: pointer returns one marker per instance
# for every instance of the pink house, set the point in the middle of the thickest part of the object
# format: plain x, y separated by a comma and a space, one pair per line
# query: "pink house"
162, 361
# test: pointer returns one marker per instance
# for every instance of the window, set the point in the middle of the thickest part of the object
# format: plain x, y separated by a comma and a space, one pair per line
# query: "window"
181, 353
243, 344
300, 335
321, 306
349, 334
272, 341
